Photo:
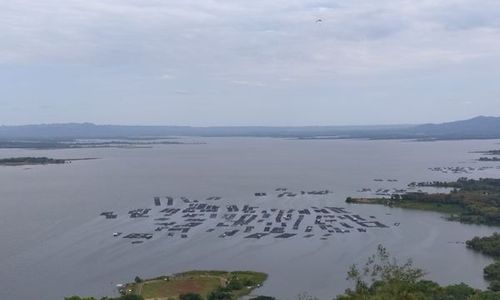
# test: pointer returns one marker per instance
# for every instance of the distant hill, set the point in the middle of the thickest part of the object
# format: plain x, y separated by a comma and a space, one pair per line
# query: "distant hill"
89, 130
477, 128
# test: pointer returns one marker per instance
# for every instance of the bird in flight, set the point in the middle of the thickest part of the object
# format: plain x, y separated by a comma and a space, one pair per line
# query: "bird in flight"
319, 20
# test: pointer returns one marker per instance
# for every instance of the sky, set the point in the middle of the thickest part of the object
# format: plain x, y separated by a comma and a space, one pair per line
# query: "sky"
252, 62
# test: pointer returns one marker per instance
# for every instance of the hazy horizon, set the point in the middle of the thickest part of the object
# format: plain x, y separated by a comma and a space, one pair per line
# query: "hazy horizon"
216, 125
250, 125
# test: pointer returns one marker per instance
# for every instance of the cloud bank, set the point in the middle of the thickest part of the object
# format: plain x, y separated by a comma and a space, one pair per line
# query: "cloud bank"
251, 44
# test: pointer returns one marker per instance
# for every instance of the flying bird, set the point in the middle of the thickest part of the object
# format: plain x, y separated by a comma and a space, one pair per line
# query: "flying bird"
319, 20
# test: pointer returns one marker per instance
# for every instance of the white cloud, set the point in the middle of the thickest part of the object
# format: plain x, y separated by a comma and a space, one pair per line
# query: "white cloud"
248, 83
167, 77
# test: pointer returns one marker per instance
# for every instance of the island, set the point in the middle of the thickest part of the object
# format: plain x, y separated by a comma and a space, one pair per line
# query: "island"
489, 158
490, 152
22, 161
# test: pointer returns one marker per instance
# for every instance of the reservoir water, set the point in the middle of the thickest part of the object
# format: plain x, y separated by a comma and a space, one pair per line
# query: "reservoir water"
54, 243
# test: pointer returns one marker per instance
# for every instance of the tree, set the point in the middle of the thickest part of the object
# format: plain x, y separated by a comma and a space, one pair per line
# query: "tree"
219, 294
190, 296
384, 276
235, 284
130, 297
263, 298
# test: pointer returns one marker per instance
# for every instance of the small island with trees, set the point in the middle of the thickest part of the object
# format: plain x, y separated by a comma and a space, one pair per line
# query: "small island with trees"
22, 161
494, 158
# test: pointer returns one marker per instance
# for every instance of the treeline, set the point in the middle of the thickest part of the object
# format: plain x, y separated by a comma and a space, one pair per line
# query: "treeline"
489, 245
219, 294
124, 297
383, 278
489, 159
228, 292
478, 198
463, 183
216, 295
30, 161
491, 152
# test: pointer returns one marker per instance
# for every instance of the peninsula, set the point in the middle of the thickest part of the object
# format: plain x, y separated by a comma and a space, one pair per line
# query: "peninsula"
205, 284
471, 200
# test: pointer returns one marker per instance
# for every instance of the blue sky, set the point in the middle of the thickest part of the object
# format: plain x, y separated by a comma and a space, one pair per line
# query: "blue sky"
208, 62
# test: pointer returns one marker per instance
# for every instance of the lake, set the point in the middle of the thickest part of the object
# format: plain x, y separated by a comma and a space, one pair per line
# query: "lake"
56, 244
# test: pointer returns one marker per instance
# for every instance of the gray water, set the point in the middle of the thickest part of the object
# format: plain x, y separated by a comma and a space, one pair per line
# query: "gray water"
55, 244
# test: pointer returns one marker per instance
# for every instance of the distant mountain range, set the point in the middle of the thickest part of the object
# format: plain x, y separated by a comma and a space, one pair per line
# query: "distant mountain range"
477, 128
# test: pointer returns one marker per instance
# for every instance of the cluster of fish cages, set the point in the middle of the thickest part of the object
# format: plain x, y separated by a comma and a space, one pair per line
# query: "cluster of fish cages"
461, 170
109, 215
139, 213
382, 180
382, 191
174, 217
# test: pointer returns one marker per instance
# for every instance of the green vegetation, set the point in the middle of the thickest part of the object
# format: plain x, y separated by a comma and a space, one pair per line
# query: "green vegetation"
470, 201
383, 278
124, 297
190, 296
491, 152
492, 274
138, 279
21, 161
489, 159
193, 285
489, 245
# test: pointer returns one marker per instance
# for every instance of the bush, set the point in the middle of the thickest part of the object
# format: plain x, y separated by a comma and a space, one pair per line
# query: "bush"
190, 296
248, 282
263, 298
492, 272
220, 294
235, 284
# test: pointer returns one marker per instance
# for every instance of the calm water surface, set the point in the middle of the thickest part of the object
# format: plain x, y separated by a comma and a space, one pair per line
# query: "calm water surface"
55, 244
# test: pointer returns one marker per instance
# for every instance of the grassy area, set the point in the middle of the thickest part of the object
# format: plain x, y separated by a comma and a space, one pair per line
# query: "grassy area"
238, 284
161, 288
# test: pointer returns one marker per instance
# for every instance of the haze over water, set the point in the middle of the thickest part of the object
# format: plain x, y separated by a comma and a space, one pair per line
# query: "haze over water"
55, 244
